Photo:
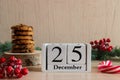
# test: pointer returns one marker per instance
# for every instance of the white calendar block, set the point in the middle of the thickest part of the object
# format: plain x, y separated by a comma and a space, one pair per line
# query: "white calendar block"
68, 57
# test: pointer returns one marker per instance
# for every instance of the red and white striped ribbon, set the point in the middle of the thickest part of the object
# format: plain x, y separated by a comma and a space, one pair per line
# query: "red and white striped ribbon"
107, 67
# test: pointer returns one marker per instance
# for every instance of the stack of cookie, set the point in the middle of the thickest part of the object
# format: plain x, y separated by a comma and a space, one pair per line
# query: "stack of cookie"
22, 39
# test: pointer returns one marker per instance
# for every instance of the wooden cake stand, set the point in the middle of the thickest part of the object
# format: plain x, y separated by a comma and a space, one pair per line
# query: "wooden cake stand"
30, 60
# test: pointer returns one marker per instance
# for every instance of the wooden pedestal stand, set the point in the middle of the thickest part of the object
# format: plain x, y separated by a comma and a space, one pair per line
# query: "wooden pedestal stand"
30, 60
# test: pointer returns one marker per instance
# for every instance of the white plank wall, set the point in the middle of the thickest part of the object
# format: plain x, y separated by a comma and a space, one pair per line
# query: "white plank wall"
62, 20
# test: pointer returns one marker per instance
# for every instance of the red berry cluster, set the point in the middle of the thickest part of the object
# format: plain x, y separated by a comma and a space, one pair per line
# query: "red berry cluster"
12, 68
102, 45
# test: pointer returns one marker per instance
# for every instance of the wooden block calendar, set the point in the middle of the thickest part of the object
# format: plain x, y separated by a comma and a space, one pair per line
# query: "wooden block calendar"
66, 57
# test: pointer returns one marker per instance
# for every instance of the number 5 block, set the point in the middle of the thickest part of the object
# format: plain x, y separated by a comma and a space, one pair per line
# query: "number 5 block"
77, 54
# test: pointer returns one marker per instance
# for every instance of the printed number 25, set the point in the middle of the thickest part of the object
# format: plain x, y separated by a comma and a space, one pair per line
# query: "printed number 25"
74, 51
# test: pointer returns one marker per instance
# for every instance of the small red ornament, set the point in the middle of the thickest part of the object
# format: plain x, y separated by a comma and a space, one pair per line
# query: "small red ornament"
12, 67
18, 62
24, 71
12, 58
19, 75
17, 70
2, 60
9, 69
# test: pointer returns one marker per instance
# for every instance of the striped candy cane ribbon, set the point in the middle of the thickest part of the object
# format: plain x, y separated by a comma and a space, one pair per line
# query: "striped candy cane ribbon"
107, 67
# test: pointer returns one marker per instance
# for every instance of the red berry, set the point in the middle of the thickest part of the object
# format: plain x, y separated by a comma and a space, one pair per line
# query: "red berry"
2, 60
17, 71
24, 71
104, 40
104, 48
91, 42
18, 62
96, 42
9, 69
109, 49
101, 41
108, 40
12, 58
19, 75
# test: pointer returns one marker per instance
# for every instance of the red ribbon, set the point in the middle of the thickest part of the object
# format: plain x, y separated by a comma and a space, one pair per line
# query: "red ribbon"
107, 67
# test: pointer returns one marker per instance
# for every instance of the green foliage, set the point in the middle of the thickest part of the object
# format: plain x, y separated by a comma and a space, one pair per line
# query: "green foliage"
97, 55
5, 47
38, 48
94, 54
115, 52
100, 55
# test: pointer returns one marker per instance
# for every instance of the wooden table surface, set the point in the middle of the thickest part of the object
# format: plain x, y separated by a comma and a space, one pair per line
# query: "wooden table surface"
94, 75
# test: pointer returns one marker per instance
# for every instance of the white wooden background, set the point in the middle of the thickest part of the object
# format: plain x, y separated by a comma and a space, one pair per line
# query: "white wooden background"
62, 20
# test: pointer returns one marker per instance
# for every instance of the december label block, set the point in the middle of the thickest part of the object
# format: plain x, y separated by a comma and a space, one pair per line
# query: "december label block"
75, 57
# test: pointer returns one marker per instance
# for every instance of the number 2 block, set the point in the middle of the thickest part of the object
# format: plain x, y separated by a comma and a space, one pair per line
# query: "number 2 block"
56, 54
